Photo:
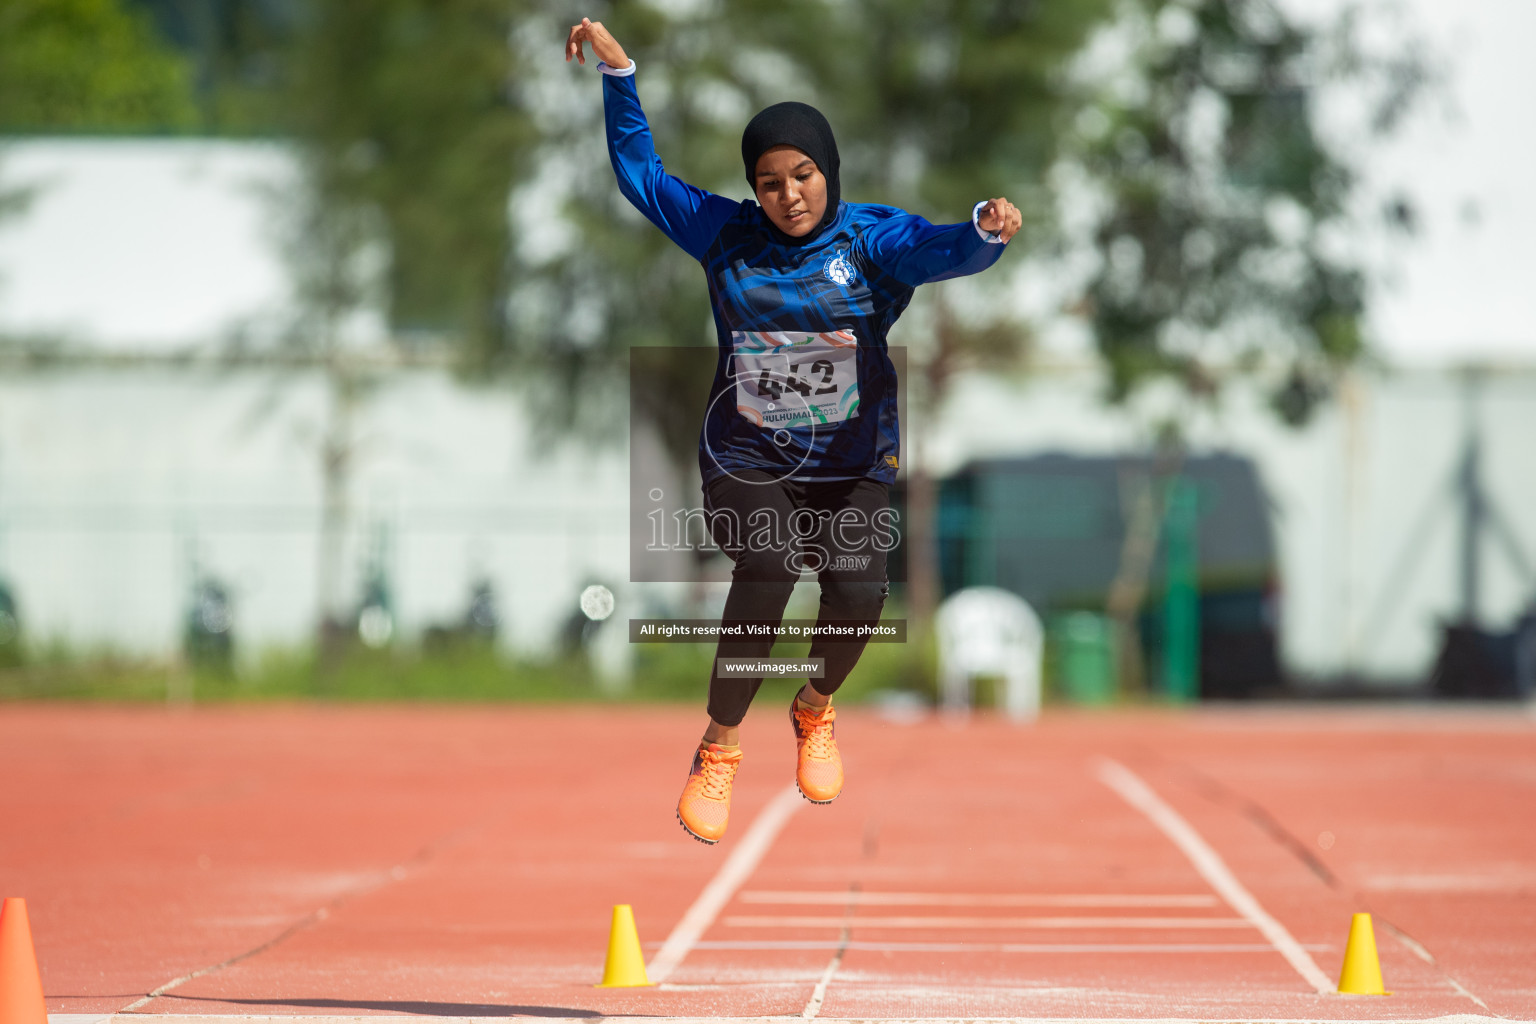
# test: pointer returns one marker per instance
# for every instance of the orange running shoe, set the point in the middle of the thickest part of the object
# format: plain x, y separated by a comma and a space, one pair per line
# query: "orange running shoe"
705, 805
819, 771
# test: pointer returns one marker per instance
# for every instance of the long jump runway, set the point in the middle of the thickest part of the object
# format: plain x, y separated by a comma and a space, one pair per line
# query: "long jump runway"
339, 862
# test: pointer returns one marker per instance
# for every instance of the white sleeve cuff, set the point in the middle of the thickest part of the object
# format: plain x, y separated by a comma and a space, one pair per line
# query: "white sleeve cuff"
986, 236
617, 72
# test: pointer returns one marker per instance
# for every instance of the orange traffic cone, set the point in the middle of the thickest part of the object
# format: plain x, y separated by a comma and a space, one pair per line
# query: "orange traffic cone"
21, 987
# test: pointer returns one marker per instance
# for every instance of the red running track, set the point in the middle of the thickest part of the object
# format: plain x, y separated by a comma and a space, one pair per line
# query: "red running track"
463, 862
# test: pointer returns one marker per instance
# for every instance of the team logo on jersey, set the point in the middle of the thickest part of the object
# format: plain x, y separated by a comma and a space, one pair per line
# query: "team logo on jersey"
838, 269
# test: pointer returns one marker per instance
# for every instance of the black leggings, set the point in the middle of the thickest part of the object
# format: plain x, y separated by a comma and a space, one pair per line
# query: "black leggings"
775, 529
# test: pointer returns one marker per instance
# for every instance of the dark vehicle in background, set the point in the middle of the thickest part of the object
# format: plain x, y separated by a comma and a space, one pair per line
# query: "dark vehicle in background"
1051, 529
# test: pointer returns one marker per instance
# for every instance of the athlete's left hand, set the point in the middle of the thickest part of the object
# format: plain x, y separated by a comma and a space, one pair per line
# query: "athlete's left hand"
1000, 217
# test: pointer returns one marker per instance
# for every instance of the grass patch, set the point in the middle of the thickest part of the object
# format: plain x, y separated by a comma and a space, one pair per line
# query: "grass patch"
664, 672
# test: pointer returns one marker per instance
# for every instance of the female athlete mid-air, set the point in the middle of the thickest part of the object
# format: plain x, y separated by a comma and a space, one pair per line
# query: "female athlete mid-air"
799, 444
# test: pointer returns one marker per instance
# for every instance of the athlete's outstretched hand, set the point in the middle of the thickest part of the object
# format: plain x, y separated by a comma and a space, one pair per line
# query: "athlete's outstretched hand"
1000, 217
603, 44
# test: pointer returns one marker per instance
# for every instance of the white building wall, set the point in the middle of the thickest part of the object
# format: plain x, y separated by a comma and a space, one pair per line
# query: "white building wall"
147, 243
111, 480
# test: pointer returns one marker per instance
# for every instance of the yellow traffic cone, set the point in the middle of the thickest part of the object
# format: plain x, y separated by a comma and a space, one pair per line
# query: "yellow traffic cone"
1361, 975
21, 990
625, 967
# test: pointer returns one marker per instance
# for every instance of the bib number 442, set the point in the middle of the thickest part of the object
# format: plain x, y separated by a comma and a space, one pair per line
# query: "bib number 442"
819, 380
790, 379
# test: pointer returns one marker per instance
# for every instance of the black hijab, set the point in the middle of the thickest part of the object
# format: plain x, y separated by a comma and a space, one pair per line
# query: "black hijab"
802, 126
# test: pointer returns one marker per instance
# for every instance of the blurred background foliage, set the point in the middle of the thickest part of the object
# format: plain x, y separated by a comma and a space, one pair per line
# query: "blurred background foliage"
1226, 213
403, 108
90, 66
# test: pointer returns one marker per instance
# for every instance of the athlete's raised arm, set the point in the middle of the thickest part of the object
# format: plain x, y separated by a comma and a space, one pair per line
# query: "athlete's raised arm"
689, 216
917, 252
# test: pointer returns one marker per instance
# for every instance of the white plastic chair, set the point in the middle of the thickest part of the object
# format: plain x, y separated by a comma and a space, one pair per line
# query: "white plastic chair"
987, 631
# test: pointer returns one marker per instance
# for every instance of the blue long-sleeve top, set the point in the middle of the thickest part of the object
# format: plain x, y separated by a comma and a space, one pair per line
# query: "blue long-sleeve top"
804, 386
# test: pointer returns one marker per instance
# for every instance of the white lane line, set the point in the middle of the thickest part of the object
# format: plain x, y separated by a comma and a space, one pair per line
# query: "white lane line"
1462, 989
312, 918
1201, 948
862, 923
975, 899
1417, 948
371, 883
738, 867
1212, 868
819, 993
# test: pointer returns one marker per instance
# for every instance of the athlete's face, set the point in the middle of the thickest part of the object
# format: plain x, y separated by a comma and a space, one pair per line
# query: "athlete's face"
791, 189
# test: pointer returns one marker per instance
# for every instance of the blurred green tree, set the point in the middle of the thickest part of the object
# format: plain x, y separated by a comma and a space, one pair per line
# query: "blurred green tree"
410, 146
403, 108
1223, 205
235, 50
88, 66
1223, 218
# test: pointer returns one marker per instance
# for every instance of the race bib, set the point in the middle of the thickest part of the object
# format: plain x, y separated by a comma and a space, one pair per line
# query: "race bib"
794, 379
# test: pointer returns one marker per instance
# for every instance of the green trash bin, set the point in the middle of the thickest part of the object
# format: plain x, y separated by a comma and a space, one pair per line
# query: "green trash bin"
1084, 649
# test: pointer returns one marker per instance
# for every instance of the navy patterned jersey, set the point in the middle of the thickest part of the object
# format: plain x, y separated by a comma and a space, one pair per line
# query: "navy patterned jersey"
804, 387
